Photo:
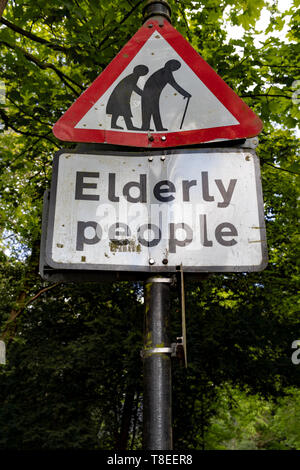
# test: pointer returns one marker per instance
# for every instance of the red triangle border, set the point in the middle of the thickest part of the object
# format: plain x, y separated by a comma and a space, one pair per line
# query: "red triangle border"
250, 124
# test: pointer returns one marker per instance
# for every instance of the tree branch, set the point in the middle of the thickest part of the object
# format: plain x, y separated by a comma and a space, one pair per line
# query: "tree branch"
27, 150
45, 65
3, 4
182, 11
283, 66
29, 115
33, 37
121, 22
22, 305
266, 95
279, 168
7, 123
41, 292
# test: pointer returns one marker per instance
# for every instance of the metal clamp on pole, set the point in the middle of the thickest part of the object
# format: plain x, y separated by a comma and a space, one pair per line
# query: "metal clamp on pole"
157, 8
149, 352
159, 279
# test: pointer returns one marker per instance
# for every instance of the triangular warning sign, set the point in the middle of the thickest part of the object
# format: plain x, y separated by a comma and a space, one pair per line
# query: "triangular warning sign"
157, 92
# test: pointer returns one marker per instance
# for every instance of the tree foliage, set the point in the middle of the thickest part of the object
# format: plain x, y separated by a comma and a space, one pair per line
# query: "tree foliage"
73, 372
250, 422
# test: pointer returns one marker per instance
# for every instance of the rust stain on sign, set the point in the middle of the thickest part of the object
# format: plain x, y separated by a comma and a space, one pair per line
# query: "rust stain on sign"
124, 246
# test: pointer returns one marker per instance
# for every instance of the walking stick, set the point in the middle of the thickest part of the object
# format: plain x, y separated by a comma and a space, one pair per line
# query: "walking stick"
186, 107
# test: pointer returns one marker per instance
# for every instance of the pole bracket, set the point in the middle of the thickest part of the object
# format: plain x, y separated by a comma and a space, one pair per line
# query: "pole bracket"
178, 349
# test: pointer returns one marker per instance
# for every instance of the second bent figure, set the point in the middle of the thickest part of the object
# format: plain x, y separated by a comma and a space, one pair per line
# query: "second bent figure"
119, 100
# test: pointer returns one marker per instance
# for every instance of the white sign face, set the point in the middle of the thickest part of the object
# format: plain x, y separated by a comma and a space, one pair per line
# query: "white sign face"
199, 208
155, 87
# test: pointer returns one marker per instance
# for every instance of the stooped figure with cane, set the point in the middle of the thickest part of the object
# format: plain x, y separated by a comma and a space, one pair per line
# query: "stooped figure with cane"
119, 100
152, 92
119, 103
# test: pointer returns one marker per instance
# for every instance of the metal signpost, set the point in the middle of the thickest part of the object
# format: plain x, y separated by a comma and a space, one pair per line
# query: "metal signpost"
158, 209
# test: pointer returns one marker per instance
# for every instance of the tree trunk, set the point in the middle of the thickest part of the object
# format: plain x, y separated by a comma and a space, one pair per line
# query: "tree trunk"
126, 419
28, 281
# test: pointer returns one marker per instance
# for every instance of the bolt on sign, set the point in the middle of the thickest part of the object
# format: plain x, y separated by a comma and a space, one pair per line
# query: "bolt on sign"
157, 92
201, 208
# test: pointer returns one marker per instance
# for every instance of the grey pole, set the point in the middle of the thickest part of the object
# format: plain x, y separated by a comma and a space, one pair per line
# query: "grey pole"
159, 8
157, 403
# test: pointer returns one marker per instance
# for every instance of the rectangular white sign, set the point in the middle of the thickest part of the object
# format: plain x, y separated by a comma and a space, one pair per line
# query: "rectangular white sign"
136, 212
